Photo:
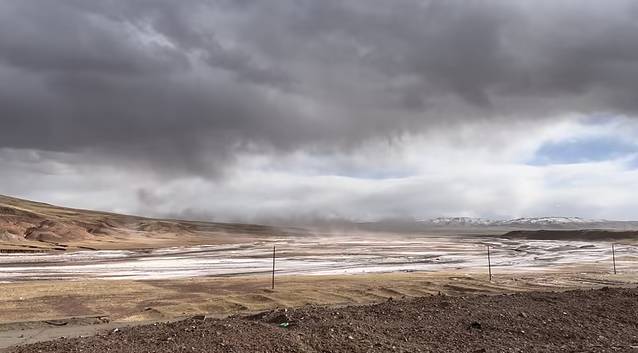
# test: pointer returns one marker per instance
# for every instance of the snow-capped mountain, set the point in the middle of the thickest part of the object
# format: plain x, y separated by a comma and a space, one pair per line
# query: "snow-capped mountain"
471, 224
517, 222
458, 221
549, 221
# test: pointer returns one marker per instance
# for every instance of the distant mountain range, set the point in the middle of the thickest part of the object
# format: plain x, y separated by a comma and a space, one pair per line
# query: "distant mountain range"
471, 224
533, 221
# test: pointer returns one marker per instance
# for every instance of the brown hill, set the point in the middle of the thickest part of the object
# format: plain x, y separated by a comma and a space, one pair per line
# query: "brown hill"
39, 226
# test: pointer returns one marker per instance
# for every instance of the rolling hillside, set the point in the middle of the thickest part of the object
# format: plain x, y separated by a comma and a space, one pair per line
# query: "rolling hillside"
35, 226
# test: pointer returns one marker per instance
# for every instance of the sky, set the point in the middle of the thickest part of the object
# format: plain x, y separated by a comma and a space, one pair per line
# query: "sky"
294, 111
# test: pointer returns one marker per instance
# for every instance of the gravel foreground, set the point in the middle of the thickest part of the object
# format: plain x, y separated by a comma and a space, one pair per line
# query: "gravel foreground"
604, 320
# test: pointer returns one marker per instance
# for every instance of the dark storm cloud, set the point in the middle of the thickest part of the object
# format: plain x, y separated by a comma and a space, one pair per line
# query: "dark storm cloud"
184, 85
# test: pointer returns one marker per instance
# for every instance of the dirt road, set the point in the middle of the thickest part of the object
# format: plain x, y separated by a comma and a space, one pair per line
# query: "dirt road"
603, 320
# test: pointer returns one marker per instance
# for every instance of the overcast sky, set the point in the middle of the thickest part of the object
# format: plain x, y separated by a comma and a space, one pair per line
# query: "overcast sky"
285, 110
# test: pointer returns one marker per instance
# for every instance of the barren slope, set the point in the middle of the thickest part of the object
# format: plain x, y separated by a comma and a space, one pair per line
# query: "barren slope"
28, 225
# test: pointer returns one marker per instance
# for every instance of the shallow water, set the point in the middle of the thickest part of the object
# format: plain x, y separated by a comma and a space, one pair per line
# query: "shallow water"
317, 256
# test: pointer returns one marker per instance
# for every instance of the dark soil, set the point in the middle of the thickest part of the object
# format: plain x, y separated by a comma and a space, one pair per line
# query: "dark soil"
604, 320
580, 234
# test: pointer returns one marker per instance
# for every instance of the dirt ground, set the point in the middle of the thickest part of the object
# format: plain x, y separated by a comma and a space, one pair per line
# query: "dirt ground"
131, 301
603, 320
33, 311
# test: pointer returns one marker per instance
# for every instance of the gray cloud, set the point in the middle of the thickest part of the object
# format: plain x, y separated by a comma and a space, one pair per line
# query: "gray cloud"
182, 86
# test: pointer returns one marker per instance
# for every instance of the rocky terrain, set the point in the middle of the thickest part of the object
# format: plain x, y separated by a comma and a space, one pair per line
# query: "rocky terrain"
602, 320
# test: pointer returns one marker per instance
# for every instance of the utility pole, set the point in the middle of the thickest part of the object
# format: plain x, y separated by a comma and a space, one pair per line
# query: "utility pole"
273, 267
489, 263
613, 256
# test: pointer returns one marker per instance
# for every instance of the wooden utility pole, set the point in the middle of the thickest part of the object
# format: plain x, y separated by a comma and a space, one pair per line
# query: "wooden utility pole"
489, 263
613, 256
273, 267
